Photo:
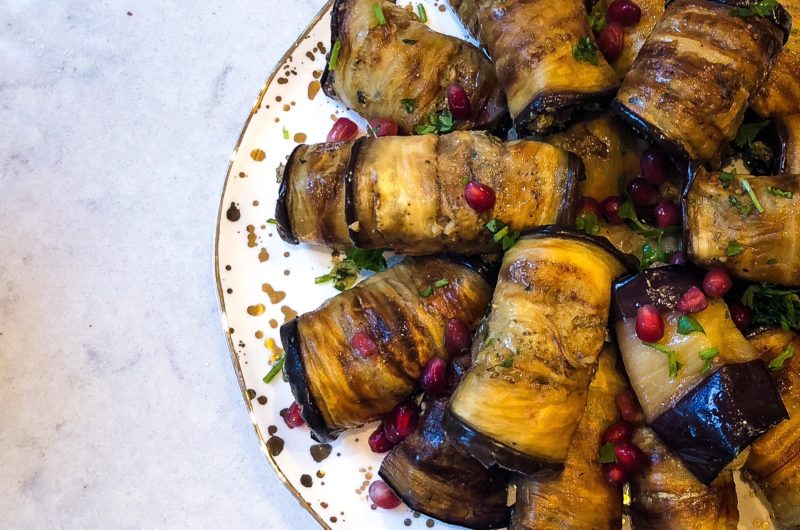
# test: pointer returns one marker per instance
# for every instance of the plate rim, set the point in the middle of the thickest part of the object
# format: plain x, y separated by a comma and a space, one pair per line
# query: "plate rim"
218, 279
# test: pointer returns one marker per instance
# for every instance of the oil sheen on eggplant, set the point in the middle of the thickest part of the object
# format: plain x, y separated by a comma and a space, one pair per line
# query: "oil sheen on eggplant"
774, 460
380, 66
666, 496
779, 95
543, 338
716, 225
531, 43
578, 498
691, 83
407, 193
787, 144
335, 385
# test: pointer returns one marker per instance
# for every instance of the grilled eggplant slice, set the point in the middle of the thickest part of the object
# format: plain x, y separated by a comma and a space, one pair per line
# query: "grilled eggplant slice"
404, 312
401, 69
666, 496
705, 393
578, 498
779, 95
546, 59
407, 193
785, 141
755, 240
520, 403
774, 460
434, 476
690, 85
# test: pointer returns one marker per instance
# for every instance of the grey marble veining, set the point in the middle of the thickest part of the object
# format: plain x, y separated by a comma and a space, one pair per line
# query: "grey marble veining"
120, 408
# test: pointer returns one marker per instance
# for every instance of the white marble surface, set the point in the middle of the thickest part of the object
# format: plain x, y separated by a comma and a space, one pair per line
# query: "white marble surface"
120, 408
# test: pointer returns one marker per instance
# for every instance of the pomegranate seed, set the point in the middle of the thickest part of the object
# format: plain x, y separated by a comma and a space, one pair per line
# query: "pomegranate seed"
480, 197
611, 41
624, 12
627, 405
378, 441
402, 421
434, 378
643, 193
457, 336
692, 301
383, 127
649, 324
677, 258
741, 315
654, 165
667, 214
458, 367
293, 416
614, 475
587, 204
382, 495
619, 432
611, 206
458, 101
629, 456
364, 344
717, 283
343, 130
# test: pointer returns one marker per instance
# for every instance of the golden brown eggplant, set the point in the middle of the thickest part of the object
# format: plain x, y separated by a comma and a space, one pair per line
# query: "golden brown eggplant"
520, 403
385, 63
578, 498
779, 95
546, 59
403, 310
666, 496
690, 85
757, 240
407, 193
774, 460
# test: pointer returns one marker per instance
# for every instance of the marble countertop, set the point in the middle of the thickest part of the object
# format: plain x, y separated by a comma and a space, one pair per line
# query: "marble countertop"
120, 407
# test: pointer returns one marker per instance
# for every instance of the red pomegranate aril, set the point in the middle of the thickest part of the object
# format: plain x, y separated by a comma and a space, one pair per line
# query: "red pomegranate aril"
741, 315
611, 41
642, 193
629, 456
480, 197
619, 432
627, 405
654, 165
717, 283
677, 258
383, 127
667, 214
458, 102
614, 475
611, 206
364, 345
343, 130
293, 416
692, 301
378, 441
434, 377
382, 495
401, 422
587, 204
624, 12
457, 336
649, 324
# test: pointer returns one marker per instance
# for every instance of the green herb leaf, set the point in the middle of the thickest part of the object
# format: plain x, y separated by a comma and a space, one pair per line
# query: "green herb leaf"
508, 362
598, 21
271, 221
772, 261
337, 47
763, 8
502, 234
773, 306
779, 192
672, 359
343, 275
726, 177
410, 42
439, 122
734, 248
652, 253
588, 223
275, 370
371, 260
441, 283
747, 133
376, 8
426, 292
744, 209
687, 325
777, 363
423, 15
585, 50
708, 355
409, 104
607, 454
285, 134
749, 189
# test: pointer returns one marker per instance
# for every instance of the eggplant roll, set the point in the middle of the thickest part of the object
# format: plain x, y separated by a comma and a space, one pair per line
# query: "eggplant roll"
774, 460
536, 47
578, 498
690, 85
666, 496
336, 387
779, 95
401, 69
434, 476
679, 379
407, 193
520, 403
756, 240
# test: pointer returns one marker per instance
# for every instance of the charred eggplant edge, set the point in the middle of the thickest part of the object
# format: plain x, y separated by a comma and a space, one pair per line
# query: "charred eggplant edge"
651, 133
576, 172
779, 15
327, 74
282, 216
350, 216
558, 102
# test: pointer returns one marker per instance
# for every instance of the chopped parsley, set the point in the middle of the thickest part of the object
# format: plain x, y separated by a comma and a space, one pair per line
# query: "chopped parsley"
747, 133
272, 221
653, 253
607, 455
585, 50
409, 104
773, 306
749, 189
708, 355
672, 359
345, 272
410, 42
744, 209
376, 8
423, 15
772, 261
779, 192
441, 283
734, 248
502, 234
726, 177
337, 47
688, 325
285, 133
778, 362
762, 9
427, 291
598, 21
439, 122
275, 370
588, 223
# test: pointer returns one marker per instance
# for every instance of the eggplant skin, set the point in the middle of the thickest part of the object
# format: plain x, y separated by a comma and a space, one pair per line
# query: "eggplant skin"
666, 496
690, 85
379, 66
779, 95
787, 144
719, 418
771, 248
339, 389
578, 498
434, 476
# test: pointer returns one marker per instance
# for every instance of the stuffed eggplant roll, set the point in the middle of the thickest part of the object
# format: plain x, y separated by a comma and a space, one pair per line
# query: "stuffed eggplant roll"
666, 496
546, 59
520, 403
748, 225
385, 63
779, 95
691, 83
410, 194
702, 386
775, 457
361, 353
578, 498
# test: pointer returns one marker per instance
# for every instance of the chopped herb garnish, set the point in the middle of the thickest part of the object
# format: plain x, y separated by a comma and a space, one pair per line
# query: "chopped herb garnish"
423, 15
441, 283
588, 223
502, 234
773, 306
628, 211
607, 454
337, 47
772, 261
585, 50
271, 221
426, 292
285, 134
409, 104
763, 8
708, 355
371, 260
345, 273
779, 192
410, 42
439, 122
744, 209
672, 359
687, 325
275, 370
652, 253
749, 189
747, 133
734, 248
726, 177
508, 362
376, 8
777, 363
598, 21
